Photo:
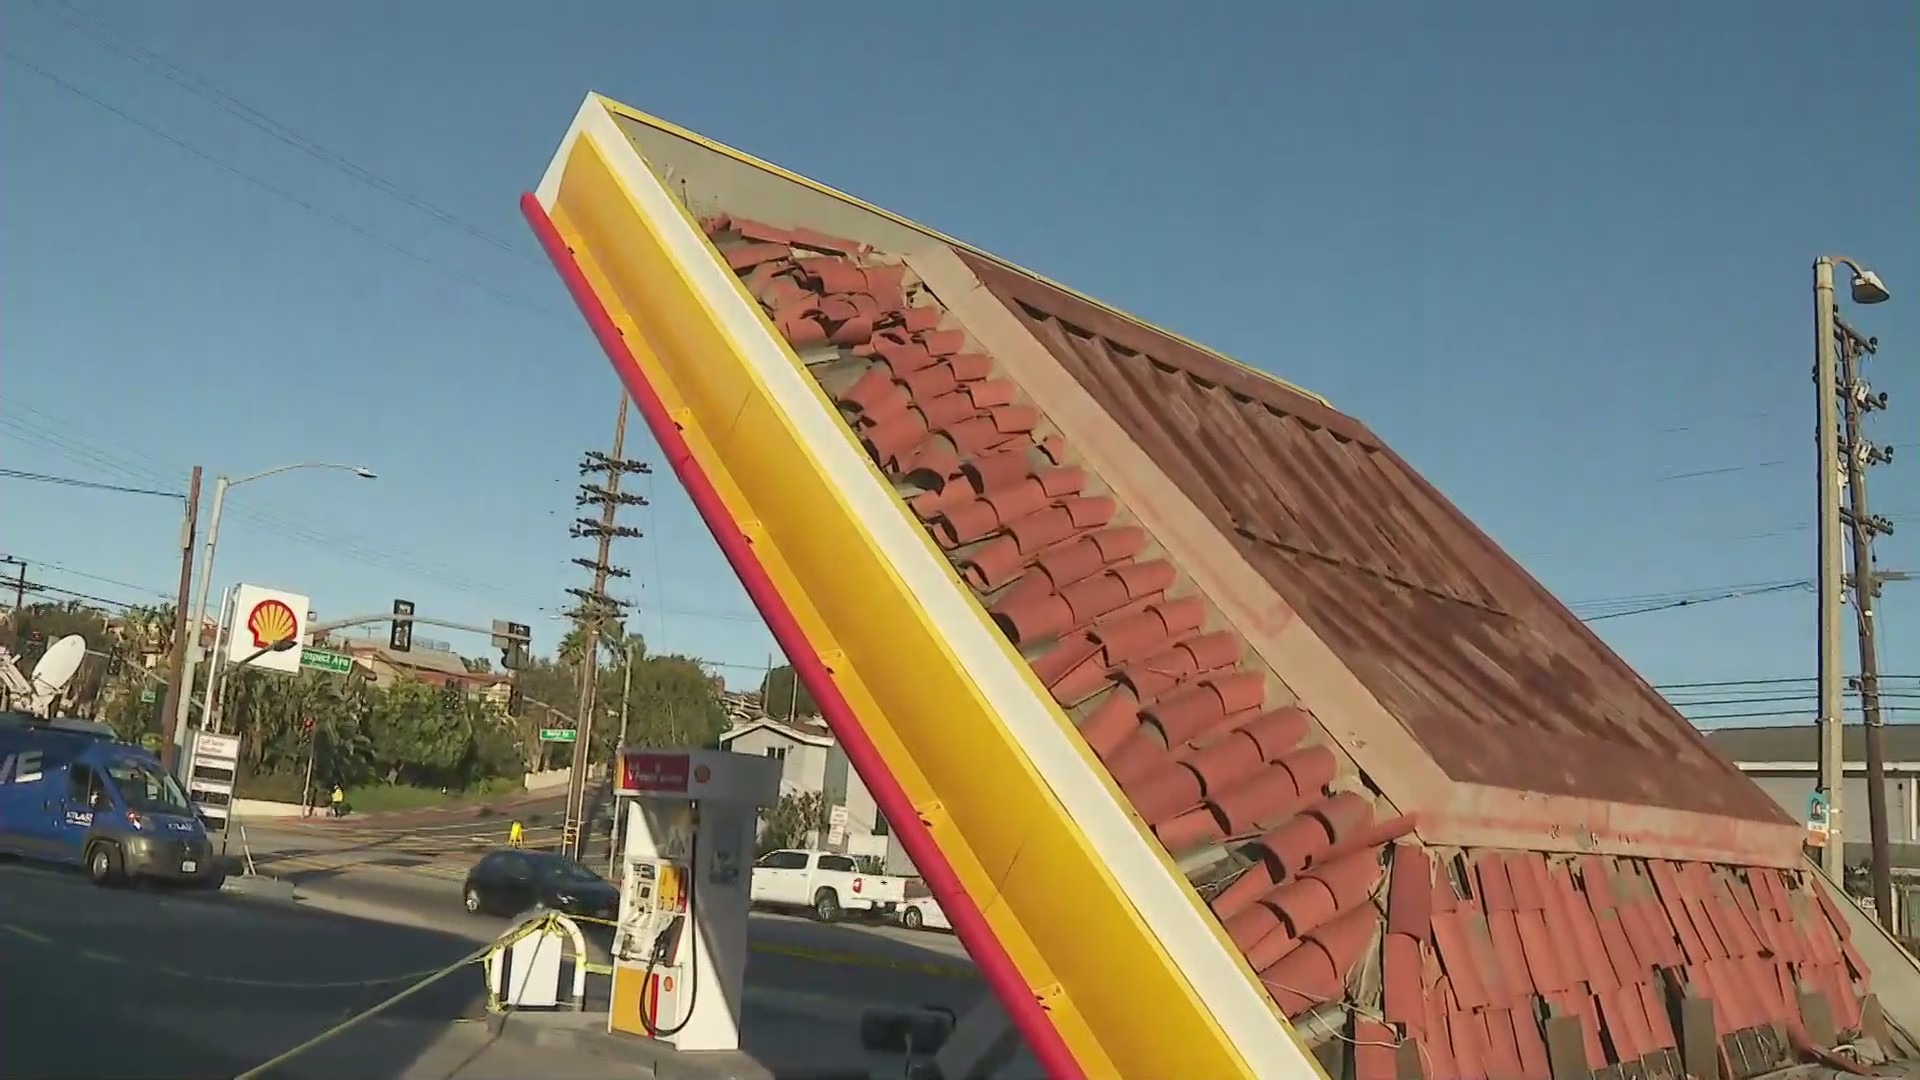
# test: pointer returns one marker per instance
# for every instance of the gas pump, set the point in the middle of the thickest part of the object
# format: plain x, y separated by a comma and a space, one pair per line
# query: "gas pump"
680, 946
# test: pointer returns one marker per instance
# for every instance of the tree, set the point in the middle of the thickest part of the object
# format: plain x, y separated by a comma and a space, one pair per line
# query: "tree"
418, 738
672, 703
30, 630
783, 696
792, 819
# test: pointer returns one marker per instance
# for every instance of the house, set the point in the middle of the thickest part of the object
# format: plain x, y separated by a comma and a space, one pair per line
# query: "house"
811, 760
436, 667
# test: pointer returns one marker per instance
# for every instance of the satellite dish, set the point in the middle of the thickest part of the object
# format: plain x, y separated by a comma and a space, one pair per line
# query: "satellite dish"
56, 668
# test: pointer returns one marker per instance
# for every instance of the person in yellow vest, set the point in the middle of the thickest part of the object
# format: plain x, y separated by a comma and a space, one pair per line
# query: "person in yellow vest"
516, 835
338, 800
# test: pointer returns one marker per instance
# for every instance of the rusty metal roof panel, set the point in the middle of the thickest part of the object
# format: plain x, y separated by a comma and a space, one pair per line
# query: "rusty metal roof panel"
1498, 682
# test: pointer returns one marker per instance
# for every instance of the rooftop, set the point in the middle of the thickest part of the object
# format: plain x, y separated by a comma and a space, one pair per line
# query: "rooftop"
1800, 743
1400, 773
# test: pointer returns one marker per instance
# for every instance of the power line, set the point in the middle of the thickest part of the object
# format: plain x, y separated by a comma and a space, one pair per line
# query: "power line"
46, 565
1778, 699
1777, 681
1697, 601
94, 485
51, 432
274, 189
1807, 714
104, 36
1731, 470
335, 544
37, 587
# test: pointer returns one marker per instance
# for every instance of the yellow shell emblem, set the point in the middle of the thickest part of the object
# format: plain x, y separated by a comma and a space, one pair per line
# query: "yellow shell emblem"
270, 621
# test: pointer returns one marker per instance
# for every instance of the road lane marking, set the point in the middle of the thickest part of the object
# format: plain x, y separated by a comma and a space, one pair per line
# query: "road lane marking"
859, 960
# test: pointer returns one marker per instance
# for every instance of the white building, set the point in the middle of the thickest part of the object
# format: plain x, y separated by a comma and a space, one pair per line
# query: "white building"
811, 760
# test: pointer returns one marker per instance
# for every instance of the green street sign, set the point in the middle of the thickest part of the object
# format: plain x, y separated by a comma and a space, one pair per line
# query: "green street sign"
148, 697
558, 734
322, 660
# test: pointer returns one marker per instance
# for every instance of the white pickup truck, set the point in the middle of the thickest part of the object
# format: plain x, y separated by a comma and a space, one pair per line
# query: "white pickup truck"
825, 882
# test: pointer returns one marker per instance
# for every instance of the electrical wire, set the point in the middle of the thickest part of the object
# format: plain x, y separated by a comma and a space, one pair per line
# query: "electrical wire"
1698, 600
1731, 470
36, 587
103, 35
273, 189
50, 434
1780, 681
94, 485
48, 564
1795, 714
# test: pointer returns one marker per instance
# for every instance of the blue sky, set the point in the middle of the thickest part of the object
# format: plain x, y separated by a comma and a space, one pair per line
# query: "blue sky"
1557, 254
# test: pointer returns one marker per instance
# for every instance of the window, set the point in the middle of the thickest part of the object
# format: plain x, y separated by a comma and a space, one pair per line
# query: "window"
839, 864
783, 860
79, 782
146, 788
777, 753
880, 824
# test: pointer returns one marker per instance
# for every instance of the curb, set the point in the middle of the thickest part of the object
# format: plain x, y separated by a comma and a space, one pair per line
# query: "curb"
259, 886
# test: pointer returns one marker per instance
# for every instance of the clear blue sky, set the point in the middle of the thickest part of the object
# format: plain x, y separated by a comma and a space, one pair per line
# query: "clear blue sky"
1557, 254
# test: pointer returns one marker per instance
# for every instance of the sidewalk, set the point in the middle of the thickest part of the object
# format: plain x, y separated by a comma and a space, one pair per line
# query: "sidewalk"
785, 1036
784, 1040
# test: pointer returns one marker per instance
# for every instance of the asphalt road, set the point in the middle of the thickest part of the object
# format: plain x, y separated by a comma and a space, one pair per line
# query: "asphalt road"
145, 983
415, 874
127, 983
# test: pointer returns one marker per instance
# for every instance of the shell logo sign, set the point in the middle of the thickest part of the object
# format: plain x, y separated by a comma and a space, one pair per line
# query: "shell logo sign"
261, 617
271, 621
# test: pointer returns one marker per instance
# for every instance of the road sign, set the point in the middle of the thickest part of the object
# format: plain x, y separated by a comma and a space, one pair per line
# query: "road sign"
210, 775
262, 617
148, 697
322, 660
558, 734
1818, 823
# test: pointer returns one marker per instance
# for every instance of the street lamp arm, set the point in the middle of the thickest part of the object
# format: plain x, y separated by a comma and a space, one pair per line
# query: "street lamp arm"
388, 616
1867, 288
358, 470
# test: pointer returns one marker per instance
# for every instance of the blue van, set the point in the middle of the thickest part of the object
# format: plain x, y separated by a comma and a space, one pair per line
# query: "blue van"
70, 793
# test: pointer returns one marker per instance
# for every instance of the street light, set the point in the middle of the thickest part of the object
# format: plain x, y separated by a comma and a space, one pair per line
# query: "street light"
220, 487
1866, 288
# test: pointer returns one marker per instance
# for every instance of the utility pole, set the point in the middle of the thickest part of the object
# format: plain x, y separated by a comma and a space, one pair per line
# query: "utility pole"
619, 818
182, 611
19, 583
1858, 399
597, 611
1866, 289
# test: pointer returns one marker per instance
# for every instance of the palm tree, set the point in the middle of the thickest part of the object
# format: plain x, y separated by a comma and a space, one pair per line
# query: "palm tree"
614, 639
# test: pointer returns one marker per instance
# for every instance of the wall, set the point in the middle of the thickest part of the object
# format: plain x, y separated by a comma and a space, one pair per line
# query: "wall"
1791, 791
805, 766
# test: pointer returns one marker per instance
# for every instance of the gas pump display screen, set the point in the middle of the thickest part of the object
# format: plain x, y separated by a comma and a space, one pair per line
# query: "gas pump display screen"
642, 772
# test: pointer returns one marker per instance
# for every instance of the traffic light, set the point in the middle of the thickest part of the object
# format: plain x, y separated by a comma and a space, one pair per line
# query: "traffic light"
400, 638
516, 705
306, 725
514, 640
